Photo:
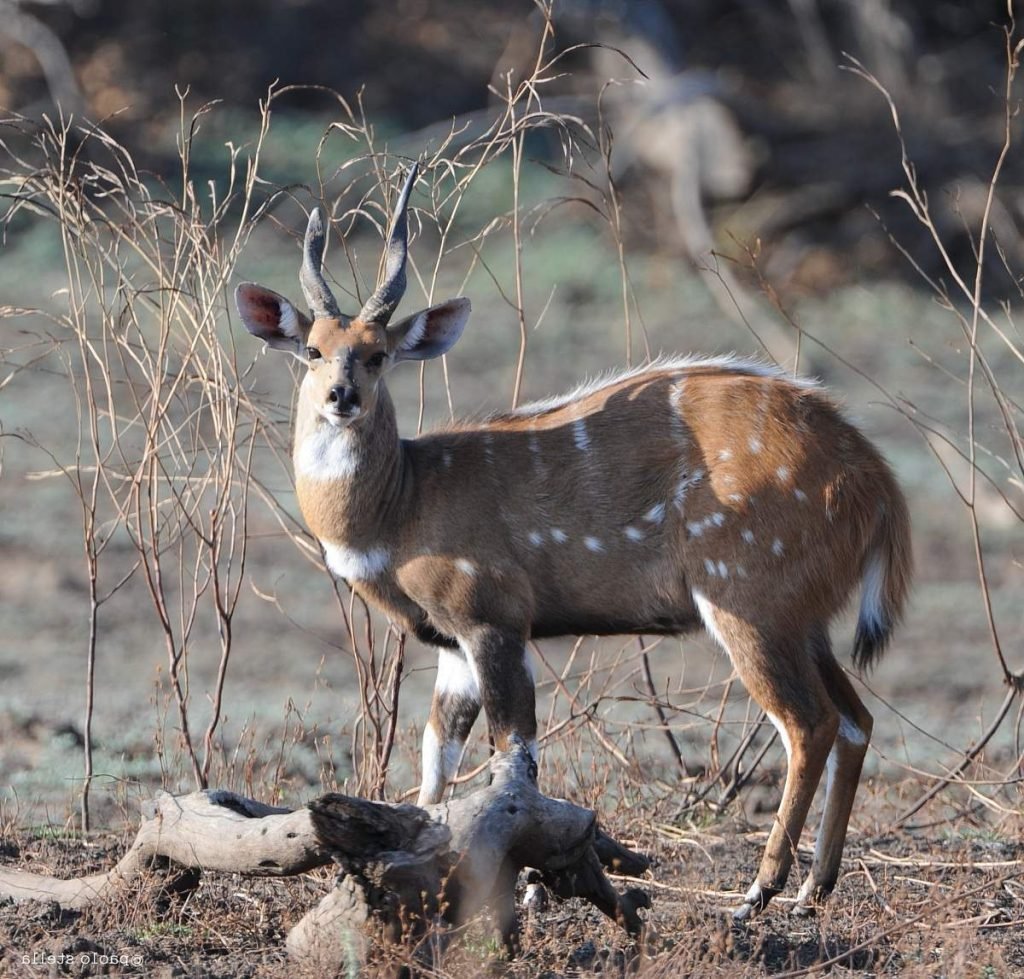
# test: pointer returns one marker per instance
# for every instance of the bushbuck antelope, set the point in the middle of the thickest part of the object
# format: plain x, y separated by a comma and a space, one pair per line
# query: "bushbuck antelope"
691, 492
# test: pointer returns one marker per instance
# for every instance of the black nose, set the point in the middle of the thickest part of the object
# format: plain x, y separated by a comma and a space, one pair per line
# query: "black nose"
343, 397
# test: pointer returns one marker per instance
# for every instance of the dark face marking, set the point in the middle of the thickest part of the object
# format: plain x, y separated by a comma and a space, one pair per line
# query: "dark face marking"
345, 373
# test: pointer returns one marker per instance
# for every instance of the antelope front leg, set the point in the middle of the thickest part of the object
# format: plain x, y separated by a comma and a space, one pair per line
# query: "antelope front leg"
455, 707
502, 670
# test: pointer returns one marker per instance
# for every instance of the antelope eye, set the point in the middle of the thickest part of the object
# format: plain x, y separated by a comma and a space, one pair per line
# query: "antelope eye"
376, 360
312, 353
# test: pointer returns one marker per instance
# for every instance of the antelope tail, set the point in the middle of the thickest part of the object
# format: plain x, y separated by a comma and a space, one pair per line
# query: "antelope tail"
885, 581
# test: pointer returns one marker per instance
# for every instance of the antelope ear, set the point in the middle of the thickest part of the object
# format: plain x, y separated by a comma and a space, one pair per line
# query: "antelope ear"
271, 317
430, 332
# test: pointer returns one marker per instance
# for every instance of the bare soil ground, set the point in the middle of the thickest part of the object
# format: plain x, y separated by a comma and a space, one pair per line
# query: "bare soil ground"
922, 903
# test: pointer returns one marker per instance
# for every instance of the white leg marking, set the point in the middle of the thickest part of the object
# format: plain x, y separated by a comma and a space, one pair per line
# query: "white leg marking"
819, 844
783, 736
707, 615
849, 731
432, 778
450, 757
456, 675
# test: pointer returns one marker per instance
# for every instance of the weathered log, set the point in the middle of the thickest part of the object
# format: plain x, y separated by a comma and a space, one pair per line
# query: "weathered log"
212, 830
409, 875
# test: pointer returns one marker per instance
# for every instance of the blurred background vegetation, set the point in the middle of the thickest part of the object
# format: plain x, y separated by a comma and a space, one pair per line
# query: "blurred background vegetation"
817, 143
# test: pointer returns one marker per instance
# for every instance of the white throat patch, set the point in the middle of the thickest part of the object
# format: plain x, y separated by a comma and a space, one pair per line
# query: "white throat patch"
353, 565
326, 454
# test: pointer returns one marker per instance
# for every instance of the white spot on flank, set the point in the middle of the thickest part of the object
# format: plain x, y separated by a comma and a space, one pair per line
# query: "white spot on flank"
580, 435
683, 487
725, 455
777, 547
849, 731
709, 566
741, 572
735, 497
353, 565
783, 736
697, 527
723, 571
800, 495
446, 458
593, 544
747, 535
634, 534
536, 538
656, 513
782, 473
754, 444
559, 536
327, 454
466, 567
534, 444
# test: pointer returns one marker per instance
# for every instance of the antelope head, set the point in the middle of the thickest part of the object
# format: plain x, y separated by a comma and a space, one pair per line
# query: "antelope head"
347, 356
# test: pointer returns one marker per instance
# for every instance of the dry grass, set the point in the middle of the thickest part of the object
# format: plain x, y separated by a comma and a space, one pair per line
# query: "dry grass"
176, 461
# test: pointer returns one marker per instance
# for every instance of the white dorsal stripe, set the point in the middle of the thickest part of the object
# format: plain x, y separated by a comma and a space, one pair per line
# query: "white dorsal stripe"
726, 362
